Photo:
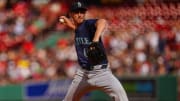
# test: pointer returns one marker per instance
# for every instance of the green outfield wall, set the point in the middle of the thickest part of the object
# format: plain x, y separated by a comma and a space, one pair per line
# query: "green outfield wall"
11, 93
161, 88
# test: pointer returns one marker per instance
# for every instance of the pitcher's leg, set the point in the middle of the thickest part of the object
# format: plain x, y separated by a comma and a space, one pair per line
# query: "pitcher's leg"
111, 85
117, 91
77, 88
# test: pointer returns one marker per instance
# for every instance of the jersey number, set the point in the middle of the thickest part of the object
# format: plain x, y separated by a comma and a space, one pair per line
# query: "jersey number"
85, 52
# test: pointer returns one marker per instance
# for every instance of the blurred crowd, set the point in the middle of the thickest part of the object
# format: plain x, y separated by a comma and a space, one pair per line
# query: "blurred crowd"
142, 40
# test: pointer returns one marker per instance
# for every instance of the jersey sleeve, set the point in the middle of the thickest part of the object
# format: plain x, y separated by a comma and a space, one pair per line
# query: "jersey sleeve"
91, 22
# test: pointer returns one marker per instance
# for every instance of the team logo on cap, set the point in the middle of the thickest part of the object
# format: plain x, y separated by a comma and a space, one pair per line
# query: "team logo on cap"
79, 4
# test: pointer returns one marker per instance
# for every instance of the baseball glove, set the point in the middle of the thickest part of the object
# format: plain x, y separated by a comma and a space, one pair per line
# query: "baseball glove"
95, 53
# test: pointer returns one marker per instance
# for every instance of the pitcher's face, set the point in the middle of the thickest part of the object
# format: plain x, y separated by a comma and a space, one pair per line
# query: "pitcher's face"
78, 16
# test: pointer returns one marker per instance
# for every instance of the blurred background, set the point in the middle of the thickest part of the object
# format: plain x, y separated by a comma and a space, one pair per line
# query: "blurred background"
38, 59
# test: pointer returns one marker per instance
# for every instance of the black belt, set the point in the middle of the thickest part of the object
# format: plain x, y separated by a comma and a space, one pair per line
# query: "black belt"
94, 67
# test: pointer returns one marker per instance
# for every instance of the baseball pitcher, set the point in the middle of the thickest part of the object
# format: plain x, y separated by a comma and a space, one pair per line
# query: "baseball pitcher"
94, 72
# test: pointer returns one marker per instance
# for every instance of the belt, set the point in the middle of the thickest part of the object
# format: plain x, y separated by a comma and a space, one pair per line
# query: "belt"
90, 68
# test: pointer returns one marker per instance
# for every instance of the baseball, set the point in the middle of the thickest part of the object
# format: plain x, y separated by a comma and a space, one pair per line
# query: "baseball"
61, 20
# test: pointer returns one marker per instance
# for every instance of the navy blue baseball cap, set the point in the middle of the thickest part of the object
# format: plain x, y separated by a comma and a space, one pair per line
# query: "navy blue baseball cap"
78, 6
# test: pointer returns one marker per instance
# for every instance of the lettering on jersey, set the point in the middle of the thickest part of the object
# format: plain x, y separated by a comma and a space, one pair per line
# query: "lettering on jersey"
82, 41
